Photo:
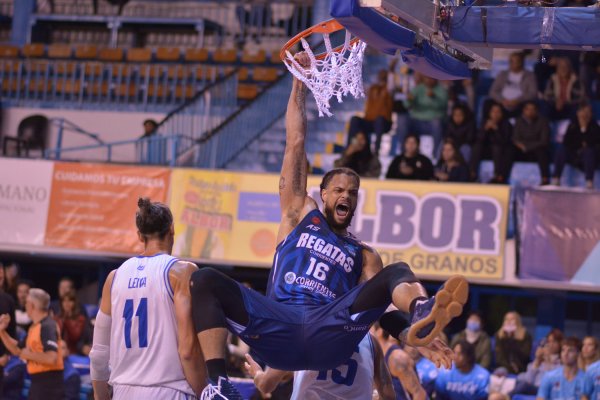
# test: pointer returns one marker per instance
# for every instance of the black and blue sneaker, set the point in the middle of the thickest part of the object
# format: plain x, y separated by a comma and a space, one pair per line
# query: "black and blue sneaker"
430, 316
222, 390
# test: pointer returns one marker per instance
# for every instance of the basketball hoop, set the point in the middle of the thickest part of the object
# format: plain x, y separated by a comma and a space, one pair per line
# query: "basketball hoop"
335, 72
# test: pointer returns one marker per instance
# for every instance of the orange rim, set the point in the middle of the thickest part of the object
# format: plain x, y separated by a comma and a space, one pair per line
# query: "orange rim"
328, 26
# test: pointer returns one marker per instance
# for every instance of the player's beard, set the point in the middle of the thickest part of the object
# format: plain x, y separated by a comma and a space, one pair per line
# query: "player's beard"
330, 217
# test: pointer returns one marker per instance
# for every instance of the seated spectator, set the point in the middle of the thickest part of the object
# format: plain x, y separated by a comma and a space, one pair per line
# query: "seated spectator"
474, 334
452, 166
378, 112
461, 129
531, 137
65, 285
427, 104
580, 146
513, 344
547, 358
74, 325
358, 157
400, 81
563, 91
14, 379
12, 275
566, 382
466, 380
71, 376
590, 352
426, 369
22, 319
591, 387
411, 164
513, 87
494, 140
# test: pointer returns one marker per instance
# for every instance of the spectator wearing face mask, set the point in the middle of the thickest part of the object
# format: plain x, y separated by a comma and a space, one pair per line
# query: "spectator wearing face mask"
475, 335
513, 344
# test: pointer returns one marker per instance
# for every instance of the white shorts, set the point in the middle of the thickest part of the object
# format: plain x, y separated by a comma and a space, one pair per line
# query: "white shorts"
127, 392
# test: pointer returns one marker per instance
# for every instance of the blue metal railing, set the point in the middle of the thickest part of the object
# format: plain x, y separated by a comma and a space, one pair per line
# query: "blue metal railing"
153, 150
175, 135
226, 141
129, 86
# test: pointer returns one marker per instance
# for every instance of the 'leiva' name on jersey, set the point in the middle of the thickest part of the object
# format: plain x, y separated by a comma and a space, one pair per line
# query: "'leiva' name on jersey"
314, 265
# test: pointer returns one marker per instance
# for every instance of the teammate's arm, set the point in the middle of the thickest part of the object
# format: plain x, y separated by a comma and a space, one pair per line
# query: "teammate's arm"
383, 379
372, 263
292, 183
403, 368
100, 353
266, 381
188, 347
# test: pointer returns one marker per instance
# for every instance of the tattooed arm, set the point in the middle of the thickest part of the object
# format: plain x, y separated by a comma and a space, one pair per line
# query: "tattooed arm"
382, 378
294, 201
403, 368
372, 263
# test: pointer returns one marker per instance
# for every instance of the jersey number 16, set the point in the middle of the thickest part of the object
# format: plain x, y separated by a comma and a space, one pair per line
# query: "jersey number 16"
142, 314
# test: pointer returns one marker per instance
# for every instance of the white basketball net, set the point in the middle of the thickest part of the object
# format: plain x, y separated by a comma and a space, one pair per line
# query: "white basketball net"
337, 74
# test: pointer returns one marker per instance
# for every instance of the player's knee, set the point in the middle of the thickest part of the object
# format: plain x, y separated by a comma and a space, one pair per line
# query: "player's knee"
398, 268
200, 281
398, 273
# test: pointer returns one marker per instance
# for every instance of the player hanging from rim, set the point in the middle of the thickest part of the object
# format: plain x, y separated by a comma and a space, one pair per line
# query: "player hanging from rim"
325, 287
354, 379
144, 327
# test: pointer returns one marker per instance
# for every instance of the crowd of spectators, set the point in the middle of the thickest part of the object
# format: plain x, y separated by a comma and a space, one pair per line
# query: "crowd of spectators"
509, 363
38, 336
517, 118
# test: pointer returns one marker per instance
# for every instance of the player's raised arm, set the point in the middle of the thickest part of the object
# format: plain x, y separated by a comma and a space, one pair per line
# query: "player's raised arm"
292, 184
188, 346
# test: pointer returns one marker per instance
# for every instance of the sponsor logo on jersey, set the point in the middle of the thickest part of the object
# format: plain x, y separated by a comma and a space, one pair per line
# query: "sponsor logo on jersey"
141, 267
326, 251
290, 277
460, 387
309, 284
356, 328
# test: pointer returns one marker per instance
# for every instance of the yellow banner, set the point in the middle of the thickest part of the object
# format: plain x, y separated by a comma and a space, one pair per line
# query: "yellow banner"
438, 229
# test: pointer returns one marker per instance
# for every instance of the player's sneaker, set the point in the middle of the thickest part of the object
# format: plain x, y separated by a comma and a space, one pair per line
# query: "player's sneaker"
222, 390
430, 316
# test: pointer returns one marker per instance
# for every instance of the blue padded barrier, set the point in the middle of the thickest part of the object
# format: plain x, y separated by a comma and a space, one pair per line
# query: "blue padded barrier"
431, 62
527, 27
370, 26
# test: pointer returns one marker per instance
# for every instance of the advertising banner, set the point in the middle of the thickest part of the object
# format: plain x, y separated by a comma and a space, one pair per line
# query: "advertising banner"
438, 229
560, 236
24, 198
92, 206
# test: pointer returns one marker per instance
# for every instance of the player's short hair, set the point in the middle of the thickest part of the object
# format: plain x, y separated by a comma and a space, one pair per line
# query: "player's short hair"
572, 341
153, 218
41, 298
468, 351
338, 171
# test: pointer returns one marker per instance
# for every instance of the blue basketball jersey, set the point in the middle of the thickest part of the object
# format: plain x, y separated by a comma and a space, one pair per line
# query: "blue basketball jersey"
313, 265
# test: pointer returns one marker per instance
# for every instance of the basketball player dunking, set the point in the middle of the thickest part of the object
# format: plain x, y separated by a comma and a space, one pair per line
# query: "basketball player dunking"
325, 288
144, 327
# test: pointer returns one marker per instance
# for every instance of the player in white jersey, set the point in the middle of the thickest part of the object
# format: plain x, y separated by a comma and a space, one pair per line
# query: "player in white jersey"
144, 342
354, 379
